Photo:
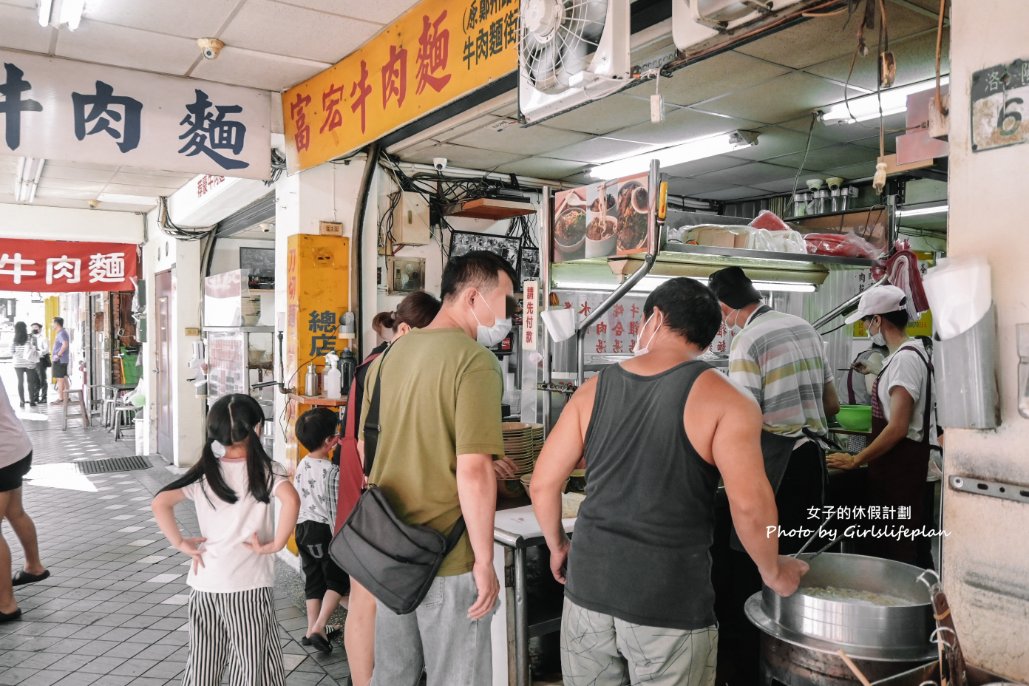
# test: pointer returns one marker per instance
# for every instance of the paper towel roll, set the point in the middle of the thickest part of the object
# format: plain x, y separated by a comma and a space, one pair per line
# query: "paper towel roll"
959, 294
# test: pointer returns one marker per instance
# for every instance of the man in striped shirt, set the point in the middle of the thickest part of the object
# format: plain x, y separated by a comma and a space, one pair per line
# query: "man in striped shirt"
779, 359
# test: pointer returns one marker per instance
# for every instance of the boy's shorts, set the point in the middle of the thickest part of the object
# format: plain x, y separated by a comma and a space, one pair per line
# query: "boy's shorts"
320, 572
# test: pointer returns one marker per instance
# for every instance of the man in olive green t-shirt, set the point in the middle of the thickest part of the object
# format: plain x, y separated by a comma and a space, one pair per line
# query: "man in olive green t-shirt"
441, 430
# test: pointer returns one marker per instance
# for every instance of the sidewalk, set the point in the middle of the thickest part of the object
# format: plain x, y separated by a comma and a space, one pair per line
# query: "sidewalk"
114, 610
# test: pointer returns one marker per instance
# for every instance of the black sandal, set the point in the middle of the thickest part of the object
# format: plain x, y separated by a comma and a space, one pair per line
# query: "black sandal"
23, 577
320, 643
10, 616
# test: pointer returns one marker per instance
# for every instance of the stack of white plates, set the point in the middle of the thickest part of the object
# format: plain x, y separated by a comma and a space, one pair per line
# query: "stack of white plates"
522, 444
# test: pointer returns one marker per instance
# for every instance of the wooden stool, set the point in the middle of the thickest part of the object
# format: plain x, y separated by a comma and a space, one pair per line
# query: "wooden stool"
75, 399
123, 419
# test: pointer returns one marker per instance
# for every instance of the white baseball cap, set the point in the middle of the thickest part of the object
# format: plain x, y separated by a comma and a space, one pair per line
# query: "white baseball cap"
879, 300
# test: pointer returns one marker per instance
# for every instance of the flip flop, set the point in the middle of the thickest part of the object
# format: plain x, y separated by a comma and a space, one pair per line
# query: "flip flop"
332, 631
320, 643
23, 577
10, 616
305, 641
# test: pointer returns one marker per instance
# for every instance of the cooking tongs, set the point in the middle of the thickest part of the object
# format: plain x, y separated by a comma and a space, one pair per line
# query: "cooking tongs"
814, 536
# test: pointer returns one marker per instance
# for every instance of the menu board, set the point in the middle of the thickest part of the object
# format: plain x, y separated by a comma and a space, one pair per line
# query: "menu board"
604, 219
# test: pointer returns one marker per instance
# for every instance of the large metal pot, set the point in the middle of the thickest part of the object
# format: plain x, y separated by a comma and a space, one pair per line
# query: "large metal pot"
819, 624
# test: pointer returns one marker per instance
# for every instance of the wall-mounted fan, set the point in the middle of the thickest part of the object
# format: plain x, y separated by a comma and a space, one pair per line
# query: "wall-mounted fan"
571, 52
696, 21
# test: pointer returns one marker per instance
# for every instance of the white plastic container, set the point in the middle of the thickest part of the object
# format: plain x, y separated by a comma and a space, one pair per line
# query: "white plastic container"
332, 379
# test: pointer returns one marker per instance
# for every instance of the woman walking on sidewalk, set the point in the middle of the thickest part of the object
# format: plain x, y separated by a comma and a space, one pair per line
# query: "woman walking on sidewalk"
25, 357
15, 462
231, 605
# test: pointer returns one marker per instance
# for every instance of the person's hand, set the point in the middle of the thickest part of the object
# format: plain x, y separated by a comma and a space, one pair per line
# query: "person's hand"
841, 461
256, 546
505, 468
489, 588
787, 576
559, 560
194, 548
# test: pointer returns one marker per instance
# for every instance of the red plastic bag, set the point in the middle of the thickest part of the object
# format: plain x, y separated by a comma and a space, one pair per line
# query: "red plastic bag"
768, 220
840, 245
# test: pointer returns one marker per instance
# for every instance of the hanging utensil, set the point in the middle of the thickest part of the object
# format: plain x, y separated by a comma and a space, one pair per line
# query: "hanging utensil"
952, 660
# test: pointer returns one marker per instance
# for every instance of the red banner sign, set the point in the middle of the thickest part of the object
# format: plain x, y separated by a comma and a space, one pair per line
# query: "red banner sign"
67, 266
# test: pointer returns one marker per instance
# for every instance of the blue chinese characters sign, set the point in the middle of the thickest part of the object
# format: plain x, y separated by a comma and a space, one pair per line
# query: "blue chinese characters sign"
62, 110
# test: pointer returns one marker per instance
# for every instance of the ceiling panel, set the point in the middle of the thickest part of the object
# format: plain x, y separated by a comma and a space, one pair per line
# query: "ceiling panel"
257, 69
598, 150
186, 18
916, 61
20, 29
852, 172
733, 193
135, 189
681, 125
72, 172
55, 185
751, 173
779, 100
847, 133
699, 168
542, 168
530, 140
29, 4
108, 44
269, 26
775, 141
459, 156
724, 73
819, 40
781, 186
828, 158
380, 11
603, 116
692, 187
168, 182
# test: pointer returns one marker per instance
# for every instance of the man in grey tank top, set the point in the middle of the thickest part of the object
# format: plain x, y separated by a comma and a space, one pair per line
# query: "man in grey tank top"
656, 433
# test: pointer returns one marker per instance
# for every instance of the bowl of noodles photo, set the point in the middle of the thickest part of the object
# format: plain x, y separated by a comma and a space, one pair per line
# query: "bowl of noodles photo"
570, 232
601, 233
632, 223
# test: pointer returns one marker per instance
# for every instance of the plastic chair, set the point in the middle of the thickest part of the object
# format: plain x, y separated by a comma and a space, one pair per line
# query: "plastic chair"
123, 419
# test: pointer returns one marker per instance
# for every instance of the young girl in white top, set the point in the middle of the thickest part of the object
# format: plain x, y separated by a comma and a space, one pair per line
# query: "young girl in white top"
231, 605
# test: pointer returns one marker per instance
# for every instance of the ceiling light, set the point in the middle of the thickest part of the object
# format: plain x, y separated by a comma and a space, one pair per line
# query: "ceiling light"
26, 179
920, 211
58, 12
890, 101
677, 154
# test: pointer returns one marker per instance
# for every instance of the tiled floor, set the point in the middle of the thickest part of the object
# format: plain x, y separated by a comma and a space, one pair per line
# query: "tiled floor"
113, 611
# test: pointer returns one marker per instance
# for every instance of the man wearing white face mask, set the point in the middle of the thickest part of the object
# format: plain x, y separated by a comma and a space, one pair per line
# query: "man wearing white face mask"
440, 395
778, 358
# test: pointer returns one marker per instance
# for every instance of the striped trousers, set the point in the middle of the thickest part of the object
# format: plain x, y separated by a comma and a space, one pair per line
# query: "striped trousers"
235, 629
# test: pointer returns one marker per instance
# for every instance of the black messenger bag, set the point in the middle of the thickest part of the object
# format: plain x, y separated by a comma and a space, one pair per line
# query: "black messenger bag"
395, 561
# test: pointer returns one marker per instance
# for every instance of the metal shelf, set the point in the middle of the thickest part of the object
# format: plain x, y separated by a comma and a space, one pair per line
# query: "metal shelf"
793, 259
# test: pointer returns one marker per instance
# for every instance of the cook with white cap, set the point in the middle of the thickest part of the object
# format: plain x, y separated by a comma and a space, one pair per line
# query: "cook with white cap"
902, 425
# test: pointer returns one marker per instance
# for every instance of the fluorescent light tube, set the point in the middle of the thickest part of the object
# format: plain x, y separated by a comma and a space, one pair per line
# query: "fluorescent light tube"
26, 178
920, 211
71, 13
677, 154
650, 282
44, 12
892, 100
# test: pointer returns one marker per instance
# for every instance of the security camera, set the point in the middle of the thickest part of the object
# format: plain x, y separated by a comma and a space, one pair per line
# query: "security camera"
440, 163
210, 47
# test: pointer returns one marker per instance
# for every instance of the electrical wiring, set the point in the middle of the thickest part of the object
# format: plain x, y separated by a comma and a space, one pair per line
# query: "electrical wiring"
939, 54
179, 232
800, 169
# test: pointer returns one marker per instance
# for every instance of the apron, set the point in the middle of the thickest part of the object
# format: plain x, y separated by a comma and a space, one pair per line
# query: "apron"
898, 478
776, 451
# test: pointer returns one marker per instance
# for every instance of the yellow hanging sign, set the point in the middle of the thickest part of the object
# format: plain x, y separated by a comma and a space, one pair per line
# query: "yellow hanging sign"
435, 53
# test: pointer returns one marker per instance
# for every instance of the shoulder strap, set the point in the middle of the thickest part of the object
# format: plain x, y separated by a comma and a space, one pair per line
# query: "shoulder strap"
930, 407
372, 427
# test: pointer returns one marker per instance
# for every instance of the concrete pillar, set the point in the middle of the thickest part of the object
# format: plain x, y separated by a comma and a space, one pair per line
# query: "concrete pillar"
985, 561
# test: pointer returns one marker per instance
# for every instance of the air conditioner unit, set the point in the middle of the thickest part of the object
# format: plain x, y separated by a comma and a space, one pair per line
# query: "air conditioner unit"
576, 51
694, 22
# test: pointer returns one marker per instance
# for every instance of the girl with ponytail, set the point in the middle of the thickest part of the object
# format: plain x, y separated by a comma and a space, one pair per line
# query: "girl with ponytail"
231, 605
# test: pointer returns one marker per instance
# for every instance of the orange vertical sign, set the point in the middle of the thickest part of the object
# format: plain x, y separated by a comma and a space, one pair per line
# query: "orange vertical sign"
435, 53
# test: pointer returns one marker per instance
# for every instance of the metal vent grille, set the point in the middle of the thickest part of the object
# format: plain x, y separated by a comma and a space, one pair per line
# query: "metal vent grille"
113, 464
